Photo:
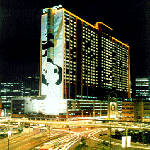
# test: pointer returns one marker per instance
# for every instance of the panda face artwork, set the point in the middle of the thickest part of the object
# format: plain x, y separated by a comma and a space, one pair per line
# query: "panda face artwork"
46, 44
51, 72
52, 60
54, 74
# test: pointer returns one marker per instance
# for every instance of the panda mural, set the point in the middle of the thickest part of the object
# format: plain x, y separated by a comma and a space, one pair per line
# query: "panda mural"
52, 61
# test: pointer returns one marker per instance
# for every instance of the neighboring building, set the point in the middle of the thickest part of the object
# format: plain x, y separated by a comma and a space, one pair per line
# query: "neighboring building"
17, 107
8, 91
87, 108
25, 88
141, 109
136, 109
128, 111
27, 106
80, 62
146, 111
92, 108
34, 105
31, 86
142, 88
1, 107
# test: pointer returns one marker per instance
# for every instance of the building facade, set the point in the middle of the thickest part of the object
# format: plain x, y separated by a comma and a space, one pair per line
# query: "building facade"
8, 91
80, 61
142, 88
25, 88
31, 86
128, 113
136, 109
27, 106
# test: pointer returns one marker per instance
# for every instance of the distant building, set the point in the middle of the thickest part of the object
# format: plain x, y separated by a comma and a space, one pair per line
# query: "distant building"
93, 108
1, 107
17, 107
31, 86
8, 91
35, 105
142, 88
127, 113
25, 88
136, 110
27, 106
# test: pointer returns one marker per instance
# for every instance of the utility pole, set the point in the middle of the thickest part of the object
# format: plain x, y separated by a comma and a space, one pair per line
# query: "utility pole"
8, 133
100, 110
126, 136
49, 132
110, 135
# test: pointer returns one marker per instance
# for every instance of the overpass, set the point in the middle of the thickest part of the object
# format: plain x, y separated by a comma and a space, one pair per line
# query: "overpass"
86, 123
81, 123
12, 132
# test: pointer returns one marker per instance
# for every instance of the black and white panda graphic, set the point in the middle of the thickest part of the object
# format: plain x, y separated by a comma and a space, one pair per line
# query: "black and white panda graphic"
52, 61
56, 71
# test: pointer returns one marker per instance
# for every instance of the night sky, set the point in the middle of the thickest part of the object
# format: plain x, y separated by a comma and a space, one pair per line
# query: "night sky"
20, 23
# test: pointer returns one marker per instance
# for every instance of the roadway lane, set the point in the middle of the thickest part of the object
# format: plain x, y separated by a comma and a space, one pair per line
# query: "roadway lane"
29, 141
16, 140
63, 143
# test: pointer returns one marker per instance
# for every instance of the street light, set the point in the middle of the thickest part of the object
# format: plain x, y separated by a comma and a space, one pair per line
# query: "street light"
9, 133
49, 131
110, 133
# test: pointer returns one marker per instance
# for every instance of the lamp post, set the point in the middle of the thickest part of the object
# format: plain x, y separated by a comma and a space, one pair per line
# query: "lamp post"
9, 133
110, 135
100, 110
126, 135
49, 131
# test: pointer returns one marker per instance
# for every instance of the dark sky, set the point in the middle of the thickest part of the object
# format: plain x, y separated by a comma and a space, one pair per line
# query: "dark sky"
20, 31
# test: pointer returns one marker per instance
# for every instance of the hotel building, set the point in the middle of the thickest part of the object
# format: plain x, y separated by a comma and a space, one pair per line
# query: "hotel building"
82, 65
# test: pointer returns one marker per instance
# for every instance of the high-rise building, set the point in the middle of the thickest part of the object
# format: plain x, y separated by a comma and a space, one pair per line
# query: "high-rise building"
21, 88
80, 61
31, 86
142, 88
8, 91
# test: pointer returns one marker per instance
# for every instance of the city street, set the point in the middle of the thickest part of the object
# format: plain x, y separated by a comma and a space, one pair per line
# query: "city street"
67, 135
28, 140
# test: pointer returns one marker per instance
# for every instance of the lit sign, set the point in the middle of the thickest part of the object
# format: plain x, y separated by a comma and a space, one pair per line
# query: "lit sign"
45, 10
113, 109
124, 142
56, 7
9, 134
128, 141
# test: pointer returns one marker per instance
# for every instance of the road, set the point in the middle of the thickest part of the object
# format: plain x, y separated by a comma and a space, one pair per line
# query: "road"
69, 138
66, 142
59, 139
94, 135
62, 143
28, 141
